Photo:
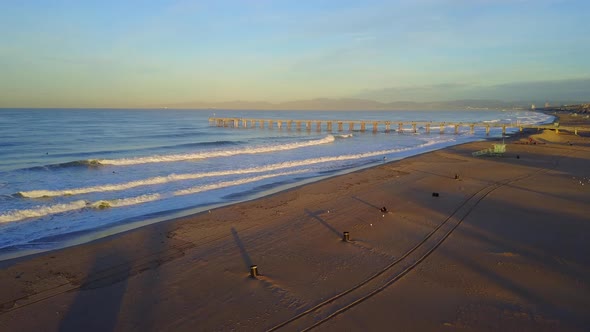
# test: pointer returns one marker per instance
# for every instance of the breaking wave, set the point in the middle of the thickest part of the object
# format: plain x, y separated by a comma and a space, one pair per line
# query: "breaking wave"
213, 154
42, 211
198, 189
77, 163
192, 176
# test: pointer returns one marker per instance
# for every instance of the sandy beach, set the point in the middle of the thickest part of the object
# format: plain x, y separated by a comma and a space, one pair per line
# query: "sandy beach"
504, 245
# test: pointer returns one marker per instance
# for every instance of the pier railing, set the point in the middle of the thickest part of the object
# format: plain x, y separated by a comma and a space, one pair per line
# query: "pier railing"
351, 125
375, 126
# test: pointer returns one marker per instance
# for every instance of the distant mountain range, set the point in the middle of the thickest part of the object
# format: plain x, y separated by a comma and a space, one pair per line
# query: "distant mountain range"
357, 104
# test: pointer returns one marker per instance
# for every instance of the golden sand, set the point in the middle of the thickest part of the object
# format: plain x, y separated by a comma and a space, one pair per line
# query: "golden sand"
504, 246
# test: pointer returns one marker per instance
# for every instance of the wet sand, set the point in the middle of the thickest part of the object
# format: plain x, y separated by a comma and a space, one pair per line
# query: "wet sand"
503, 246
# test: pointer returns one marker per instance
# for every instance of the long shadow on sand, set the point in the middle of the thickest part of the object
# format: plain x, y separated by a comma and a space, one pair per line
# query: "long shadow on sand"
366, 203
543, 305
96, 309
315, 215
245, 257
101, 298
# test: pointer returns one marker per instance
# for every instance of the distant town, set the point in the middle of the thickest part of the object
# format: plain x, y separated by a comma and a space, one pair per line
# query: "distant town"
578, 108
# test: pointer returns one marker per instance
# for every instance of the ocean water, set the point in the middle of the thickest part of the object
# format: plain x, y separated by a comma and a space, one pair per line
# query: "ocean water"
68, 173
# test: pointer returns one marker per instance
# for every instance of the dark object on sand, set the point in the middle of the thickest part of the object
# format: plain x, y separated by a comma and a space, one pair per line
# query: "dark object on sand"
253, 271
434, 194
345, 237
456, 176
517, 156
383, 209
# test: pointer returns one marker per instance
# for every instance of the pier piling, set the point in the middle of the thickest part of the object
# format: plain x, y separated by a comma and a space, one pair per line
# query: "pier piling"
416, 126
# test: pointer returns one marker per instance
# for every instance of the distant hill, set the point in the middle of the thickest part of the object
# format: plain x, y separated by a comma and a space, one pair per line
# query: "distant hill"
355, 104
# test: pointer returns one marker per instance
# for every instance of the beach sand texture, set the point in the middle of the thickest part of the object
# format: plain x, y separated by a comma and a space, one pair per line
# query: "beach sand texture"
504, 246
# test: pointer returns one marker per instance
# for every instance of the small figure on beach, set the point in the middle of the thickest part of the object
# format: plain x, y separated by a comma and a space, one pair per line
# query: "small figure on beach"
383, 209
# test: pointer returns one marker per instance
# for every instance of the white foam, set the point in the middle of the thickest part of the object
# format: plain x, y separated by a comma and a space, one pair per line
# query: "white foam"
41, 211
192, 176
216, 153
125, 201
118, 187
198, 189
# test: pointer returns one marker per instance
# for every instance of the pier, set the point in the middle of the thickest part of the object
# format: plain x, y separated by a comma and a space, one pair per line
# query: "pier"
361, 125
377, 126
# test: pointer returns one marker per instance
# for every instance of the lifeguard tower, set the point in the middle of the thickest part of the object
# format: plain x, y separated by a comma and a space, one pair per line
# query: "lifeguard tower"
496, 150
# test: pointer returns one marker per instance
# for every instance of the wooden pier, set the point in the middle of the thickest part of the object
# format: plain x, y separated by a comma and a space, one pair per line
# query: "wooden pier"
361, 125
376, 126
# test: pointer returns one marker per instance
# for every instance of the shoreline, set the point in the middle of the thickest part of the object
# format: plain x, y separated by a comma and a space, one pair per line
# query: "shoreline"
122, 226
516, 260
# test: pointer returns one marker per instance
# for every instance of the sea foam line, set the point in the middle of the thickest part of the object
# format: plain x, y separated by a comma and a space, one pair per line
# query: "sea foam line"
103, 204
198, 189
156, 180
42, 211
192, 176
213, 154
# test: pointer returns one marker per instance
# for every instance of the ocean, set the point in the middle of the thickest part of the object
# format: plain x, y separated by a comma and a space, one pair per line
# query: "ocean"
73, 175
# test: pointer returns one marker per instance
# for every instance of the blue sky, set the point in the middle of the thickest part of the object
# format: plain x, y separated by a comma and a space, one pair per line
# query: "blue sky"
146, 53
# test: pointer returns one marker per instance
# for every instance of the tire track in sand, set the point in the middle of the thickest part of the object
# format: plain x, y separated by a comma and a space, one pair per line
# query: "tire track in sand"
347, 299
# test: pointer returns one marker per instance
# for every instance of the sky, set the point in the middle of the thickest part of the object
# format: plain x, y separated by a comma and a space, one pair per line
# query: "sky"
76, 53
